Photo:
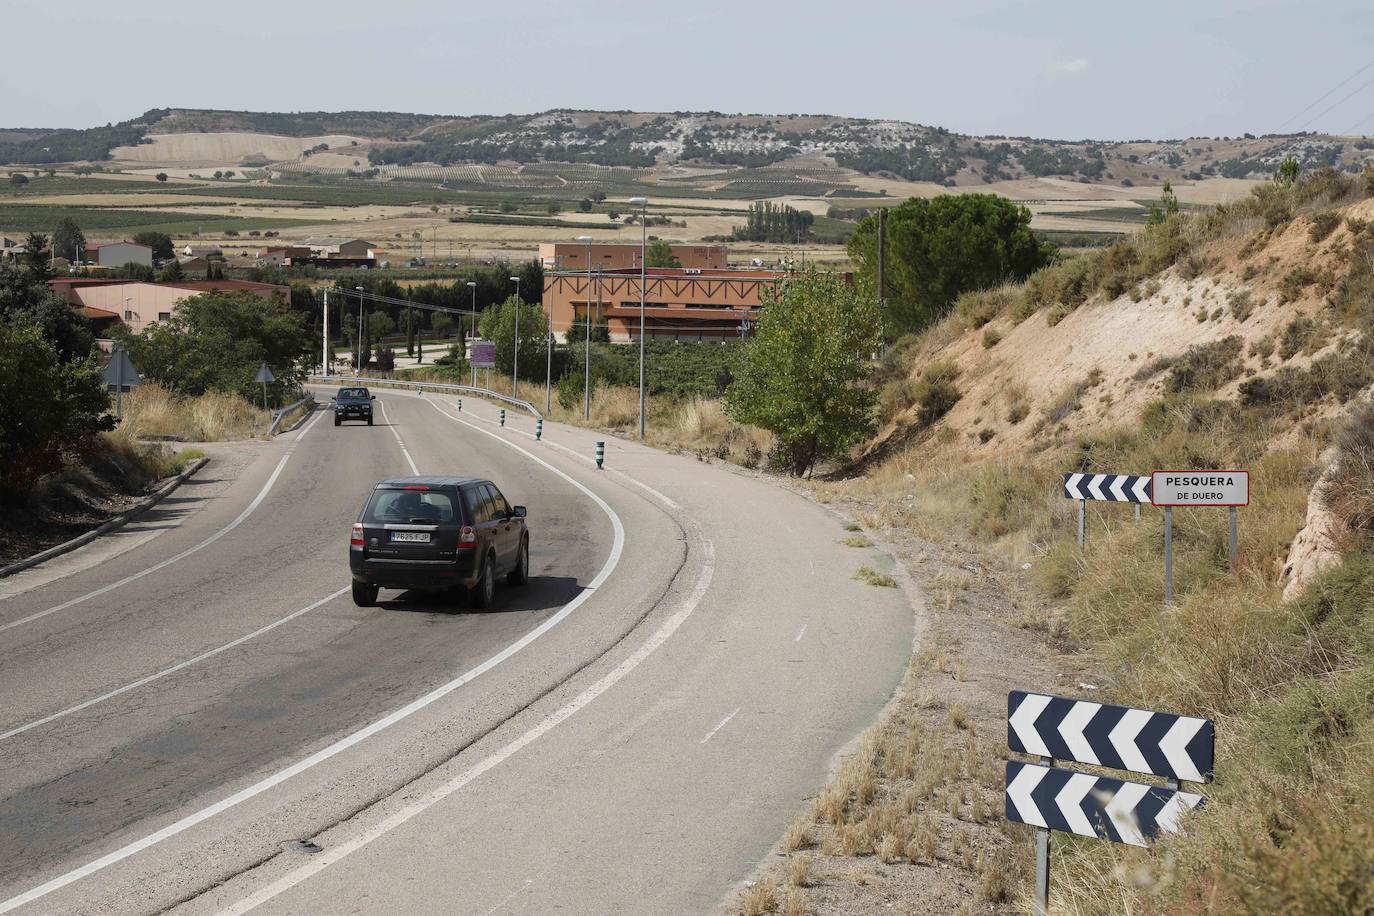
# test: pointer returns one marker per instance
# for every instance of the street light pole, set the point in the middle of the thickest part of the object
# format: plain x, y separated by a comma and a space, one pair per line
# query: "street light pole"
548, 372
472, 349
587, 342
325, 354
515, 362
643, 203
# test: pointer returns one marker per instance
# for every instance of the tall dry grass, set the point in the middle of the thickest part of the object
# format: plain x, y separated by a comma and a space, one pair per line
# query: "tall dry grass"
151, 411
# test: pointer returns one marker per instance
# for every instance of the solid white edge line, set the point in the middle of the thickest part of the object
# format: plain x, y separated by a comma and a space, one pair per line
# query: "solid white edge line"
399, 441
257, 501
361, 734
331, 855
144, 681
719, 725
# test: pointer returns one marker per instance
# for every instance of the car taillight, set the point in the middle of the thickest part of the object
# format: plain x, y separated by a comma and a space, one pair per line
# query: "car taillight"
356, 539
467, 537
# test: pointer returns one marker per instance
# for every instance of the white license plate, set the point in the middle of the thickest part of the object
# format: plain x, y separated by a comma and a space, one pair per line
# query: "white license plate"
414, 537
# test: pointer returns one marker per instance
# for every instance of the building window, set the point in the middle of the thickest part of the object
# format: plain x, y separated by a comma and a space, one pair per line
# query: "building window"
164, 316
128, 315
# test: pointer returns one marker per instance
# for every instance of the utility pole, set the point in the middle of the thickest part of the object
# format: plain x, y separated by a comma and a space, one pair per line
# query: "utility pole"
358, 362
472, 285
587, 344
326, 353
515, 362
882, 254
643, 278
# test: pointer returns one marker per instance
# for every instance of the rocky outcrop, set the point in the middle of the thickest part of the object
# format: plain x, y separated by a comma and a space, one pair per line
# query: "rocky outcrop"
1314, 550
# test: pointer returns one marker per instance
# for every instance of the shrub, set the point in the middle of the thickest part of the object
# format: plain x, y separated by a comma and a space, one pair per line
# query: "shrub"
1206, 366
1296, 336
935, 392
572, 388
981, 306
1241, 305
1323, 224
1295, 281
991, 338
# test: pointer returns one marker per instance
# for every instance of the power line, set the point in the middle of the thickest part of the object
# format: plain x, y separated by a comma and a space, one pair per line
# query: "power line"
1366, 84
1325, 95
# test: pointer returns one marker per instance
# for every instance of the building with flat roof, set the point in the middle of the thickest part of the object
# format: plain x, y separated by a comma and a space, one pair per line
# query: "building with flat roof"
617, 256
138, 303
681, 303
117, 254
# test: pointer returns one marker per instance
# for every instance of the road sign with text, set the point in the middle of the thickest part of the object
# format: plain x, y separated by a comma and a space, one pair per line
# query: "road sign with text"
1200, 488
483, 354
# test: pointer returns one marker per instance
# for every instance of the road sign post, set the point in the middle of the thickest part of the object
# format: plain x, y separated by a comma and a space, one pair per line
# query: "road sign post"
1052, 728
264, 376
1114, 488
1169, 489
119, 374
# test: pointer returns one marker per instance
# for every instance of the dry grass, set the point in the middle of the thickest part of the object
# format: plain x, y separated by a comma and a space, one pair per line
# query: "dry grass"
151, 411
856, 540
872, 577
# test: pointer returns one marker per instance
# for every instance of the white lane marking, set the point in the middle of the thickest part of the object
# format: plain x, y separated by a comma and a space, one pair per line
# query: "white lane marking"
812, 564
332, 854
801, 633
586, 459
719, 725
361, 734
257, 501
144, 681
509, 897
399, 441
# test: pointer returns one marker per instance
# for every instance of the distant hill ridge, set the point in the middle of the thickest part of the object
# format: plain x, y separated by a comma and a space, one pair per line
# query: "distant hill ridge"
902, 149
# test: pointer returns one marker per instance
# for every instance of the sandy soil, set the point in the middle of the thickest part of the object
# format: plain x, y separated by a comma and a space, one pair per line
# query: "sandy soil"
211, 149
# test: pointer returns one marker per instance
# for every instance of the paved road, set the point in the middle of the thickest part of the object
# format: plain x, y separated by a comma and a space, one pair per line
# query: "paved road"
629, 733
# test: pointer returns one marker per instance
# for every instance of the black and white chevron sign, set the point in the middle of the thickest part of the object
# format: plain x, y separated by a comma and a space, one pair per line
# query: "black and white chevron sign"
1159, 743
1094, 806
1117, 488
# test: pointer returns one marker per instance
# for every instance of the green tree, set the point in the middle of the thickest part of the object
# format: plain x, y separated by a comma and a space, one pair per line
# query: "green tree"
25, 296
36, 253
802, 373
1287, 172
1167, 206
498, 325
410, 332
50, 407
161, 176
215, 342
160, 242
19, 179
67, 239
939, 248
172, 270
381, 324
660, 254
442, 323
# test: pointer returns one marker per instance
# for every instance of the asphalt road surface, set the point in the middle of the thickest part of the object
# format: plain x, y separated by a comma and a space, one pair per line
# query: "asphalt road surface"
202, 721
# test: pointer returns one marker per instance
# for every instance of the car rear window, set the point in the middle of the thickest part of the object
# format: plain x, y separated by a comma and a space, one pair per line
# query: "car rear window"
410, 507
352, 392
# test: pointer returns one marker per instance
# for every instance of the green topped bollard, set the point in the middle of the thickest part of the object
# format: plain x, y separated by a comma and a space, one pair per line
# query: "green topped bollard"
538, 429
460, 405
503, 418
600, 455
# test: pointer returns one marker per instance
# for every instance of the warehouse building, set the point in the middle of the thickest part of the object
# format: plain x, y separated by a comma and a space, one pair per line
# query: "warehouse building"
137, 304
615, 256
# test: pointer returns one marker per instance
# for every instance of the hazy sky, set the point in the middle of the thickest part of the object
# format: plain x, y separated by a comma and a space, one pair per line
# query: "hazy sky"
1067, 70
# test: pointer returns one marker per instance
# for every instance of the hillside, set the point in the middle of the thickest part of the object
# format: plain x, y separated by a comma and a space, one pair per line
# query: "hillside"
649, 140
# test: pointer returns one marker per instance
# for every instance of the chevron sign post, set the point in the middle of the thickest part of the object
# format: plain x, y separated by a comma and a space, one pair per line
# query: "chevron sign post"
1178, 748
1115, 488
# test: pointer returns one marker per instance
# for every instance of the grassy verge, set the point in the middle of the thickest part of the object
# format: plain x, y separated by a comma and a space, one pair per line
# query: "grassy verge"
151, 411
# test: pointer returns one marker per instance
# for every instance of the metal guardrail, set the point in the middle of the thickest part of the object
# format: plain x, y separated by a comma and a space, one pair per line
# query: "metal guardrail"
276, 421
428, 386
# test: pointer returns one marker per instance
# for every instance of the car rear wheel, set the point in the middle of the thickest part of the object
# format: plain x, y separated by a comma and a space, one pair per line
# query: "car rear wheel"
369, 419
521, 573
485, 590
338, 421
364, 595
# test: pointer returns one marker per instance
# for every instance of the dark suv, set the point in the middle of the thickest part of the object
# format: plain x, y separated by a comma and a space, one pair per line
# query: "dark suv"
437, 533
353, 404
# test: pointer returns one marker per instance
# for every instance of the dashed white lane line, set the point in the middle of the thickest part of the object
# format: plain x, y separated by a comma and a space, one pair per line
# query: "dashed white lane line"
362, 734
257, 501
719, 725
399, 441
800, 633
145, 681
509, 897
332, 854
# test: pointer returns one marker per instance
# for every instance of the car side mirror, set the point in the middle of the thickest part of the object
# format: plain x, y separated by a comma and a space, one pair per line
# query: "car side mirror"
373, 398
519, 512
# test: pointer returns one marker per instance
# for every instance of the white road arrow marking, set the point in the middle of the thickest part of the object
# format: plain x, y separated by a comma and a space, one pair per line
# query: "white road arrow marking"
1174, 808
1095, 486
1023, 723
1071, 728
1174, 744
1123, 739
1019, 791
1070, 801
1071, 486
1121, 811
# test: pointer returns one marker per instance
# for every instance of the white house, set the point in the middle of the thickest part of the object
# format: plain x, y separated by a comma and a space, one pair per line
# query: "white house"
117, 254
